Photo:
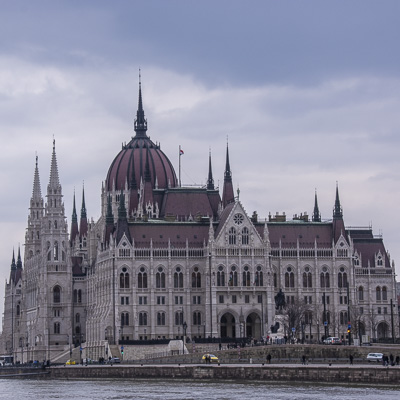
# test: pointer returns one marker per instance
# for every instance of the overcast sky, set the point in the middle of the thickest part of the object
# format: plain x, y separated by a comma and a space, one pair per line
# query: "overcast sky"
308, 93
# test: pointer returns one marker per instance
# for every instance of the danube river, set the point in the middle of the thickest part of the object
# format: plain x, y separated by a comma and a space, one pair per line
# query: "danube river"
176, 390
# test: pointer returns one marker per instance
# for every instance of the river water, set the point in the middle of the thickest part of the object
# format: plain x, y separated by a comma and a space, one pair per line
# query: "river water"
177, 390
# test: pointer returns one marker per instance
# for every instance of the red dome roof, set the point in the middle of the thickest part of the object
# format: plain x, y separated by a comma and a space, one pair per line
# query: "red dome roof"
130, 166
141, 159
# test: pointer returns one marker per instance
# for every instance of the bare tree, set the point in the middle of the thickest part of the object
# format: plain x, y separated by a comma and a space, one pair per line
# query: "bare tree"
294, 315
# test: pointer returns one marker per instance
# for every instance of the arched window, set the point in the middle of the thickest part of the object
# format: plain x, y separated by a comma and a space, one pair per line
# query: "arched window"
259, 281
307, 278
289, 278
75, 296
178, 278
378, 293
142, 319
197, 318
124, 279
179, 318
142, 279
245, 236
160, 278
246, 276
196, 278
233, 277
48, 251
55, 224
324, 278
343, 318
361, 293
77, 318
55, 251
124, 319
49, 224
275, 280
79, 296
161, 318
57, 327
232, 236
384, 293
342, 278
18, 310
57, 294
221, 276
379, 261
326, 316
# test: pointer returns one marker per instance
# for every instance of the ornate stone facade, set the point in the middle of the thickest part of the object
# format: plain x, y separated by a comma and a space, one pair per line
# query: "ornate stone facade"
164, 261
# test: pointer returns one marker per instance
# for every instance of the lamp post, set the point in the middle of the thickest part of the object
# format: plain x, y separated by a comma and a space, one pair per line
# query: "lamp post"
184, 336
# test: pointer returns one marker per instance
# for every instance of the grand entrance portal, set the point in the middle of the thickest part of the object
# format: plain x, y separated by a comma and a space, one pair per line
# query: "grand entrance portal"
227, 324
253, 326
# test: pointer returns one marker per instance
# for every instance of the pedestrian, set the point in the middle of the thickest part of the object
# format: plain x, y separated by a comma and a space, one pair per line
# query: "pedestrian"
397, 360
351, 357
391, 359
269, 358
220, 347
303, 359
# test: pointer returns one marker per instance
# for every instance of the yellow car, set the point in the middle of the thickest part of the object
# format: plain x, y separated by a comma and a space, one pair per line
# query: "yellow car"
70, 362
208, 358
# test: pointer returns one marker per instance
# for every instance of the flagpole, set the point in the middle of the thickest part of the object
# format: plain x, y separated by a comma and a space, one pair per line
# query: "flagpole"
180, 183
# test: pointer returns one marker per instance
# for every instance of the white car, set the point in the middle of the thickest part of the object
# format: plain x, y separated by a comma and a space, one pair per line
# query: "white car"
374, 357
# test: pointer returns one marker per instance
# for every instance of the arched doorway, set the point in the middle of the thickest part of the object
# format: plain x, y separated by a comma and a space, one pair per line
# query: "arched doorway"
382, 330
227, 325
253, 326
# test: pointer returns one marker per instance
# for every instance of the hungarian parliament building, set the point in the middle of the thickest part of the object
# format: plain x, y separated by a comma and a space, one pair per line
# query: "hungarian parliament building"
165, 261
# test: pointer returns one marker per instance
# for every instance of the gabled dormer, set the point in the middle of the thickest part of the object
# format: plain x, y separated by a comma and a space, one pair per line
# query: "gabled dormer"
342, 248
236, 229
124, 247
379, 259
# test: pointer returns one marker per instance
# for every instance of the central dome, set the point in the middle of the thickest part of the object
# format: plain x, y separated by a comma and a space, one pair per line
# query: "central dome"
141, 160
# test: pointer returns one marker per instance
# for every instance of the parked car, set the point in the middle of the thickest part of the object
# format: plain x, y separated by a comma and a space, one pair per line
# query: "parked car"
70, 362
375, 357
332, 340
114, 360
210, 358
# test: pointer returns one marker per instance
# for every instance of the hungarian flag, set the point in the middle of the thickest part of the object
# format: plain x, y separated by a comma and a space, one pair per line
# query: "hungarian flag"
180, 152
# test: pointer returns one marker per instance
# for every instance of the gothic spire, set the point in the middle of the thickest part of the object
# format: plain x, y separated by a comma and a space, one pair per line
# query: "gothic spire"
316, 214
19, 261
337, 212
228, 174
122, 208
54, 182
83, 209
227, 194
109, 215
140, 121
13, 265
74, 216
37, 191
122, 223
210, 181
13, 271
74, 224
83, 223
